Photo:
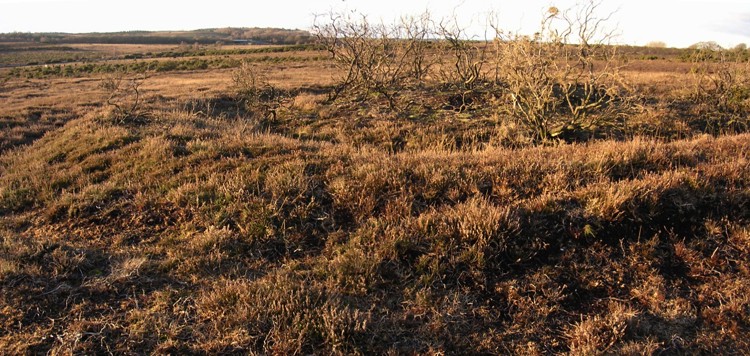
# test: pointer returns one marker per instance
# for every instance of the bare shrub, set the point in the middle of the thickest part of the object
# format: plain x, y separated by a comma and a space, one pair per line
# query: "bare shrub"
123, 92
721, 91
376, 58
564, 80
255, 92
417, 32
463, 70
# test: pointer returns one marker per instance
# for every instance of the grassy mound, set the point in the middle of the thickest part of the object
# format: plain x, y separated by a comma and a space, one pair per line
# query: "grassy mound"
197, 233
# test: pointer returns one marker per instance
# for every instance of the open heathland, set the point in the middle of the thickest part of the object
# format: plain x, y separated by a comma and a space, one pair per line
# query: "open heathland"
276, 199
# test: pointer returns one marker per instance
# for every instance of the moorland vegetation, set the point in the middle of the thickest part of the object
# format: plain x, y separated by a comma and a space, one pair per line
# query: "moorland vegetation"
411, 190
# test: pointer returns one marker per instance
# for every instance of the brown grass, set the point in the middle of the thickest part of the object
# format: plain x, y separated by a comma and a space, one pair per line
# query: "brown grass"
344, 229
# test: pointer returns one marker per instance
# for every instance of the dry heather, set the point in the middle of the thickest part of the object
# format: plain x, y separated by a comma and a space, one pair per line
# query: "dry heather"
200, 235
344, 228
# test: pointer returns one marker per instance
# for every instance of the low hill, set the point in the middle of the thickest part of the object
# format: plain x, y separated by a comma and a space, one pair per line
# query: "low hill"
203, 36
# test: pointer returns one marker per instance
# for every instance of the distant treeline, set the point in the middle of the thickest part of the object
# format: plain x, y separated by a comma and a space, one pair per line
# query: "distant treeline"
205, 36
705, 49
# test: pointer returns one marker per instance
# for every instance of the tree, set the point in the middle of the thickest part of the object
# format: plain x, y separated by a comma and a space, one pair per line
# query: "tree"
706, 45
656, 44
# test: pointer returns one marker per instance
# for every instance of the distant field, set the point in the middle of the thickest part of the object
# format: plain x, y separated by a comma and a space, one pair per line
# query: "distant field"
58, 56
192, 199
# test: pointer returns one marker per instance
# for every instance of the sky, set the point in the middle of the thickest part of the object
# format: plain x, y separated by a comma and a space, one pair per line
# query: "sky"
678, 23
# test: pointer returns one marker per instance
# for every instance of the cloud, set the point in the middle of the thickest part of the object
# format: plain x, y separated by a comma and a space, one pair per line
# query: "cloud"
732, 30
736, 23
740, 25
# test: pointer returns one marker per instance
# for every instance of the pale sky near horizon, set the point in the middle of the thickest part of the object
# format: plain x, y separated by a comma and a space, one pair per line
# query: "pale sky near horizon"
678, 23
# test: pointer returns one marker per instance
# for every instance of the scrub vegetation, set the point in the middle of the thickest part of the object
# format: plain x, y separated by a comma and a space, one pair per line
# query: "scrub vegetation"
409, 191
